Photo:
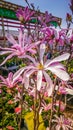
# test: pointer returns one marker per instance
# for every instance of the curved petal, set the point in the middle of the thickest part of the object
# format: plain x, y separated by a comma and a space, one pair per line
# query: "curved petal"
6, 49
26, 78
30, 58
8, 57
5, 52
55, 64
49, 83
2, 78
39, 79
59, 58
33, 51
18, 73
60, 73
11, 39
10, 76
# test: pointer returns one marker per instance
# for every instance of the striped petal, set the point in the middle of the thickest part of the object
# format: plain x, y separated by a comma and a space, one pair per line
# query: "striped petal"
62, 74
58, 59
20, 71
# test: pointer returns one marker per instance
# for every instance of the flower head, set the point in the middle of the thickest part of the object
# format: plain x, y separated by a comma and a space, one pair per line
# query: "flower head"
19, 48
9, 82
17, 110
62, 122
10, 128
24, 15
41, 67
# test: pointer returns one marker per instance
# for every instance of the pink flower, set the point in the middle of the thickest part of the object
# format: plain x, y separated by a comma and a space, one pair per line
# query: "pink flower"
17, 110
19, 48
40, 67
49, 34
61, 37
62, 105
24, 15
10, 128
10, 102
47, 107
62, 123
9, 81
46, 19
62, 90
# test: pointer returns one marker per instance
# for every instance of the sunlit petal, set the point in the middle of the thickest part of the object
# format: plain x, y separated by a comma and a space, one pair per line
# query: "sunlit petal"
42, 51
60, 73
59, 58
39, 79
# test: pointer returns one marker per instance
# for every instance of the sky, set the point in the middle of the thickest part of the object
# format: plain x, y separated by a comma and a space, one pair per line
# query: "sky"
58, 8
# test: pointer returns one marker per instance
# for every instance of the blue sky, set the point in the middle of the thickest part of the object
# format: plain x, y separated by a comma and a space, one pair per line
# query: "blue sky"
58, 8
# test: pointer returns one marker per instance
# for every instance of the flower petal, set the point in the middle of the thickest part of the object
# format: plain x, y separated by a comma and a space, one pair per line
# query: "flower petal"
3, 79
39, 79
20, 37
10, 76
62, 74
18, 73
49, 83
69, 91
59, 58
26, 78
5, 52
58, 127
8, 57
11, 39
30, 58
64, 127
42, 51
55, 64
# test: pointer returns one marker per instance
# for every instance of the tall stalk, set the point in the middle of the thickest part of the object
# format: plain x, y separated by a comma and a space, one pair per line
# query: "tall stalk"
21, 103
50, 121
36, 110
